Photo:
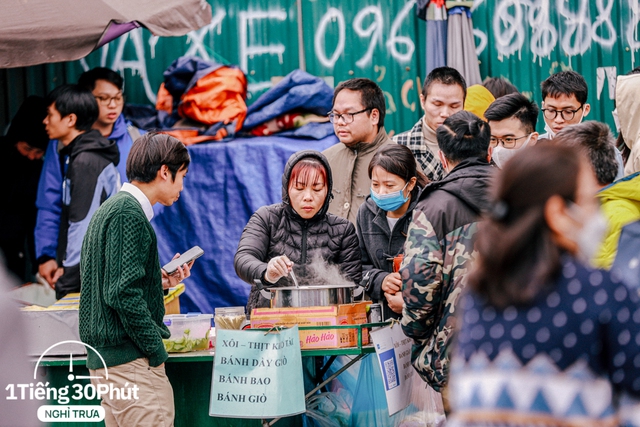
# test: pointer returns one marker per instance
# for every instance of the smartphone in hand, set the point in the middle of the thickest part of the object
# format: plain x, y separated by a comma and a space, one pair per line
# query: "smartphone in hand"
190, 255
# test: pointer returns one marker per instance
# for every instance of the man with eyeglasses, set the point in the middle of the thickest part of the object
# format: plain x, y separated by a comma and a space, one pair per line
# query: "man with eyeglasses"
106, 86
512, 119
564, 103
443, 94
358, 121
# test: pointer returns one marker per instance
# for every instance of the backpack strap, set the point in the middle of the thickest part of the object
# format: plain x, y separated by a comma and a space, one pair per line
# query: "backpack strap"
134, 132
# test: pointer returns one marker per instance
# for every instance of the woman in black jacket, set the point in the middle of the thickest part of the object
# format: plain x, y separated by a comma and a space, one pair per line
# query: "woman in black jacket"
293, 234
382, 223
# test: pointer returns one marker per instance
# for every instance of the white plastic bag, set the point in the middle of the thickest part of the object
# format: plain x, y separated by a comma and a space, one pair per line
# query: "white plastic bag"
426, 408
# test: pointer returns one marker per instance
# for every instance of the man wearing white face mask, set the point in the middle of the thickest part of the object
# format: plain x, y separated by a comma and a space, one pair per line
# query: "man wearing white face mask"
512, 119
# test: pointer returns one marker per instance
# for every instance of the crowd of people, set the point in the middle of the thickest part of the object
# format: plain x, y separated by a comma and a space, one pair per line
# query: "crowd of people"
491, 244
506, 239
90, 201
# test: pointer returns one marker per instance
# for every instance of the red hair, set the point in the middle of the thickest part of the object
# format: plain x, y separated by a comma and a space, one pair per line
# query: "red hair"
306, 170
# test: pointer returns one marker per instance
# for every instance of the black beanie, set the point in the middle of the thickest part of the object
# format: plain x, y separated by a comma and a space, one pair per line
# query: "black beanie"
27, 124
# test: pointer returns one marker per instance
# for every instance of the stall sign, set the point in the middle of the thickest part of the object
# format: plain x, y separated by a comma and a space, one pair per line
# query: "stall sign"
393, 349
257, 374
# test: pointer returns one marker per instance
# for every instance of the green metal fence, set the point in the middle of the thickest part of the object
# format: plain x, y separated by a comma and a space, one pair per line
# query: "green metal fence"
528, 40
522, 40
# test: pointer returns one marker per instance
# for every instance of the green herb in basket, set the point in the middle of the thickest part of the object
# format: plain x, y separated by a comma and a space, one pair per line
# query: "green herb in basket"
185, 343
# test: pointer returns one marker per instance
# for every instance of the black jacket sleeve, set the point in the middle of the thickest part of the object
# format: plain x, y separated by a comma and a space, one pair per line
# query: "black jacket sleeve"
372, 277
84, 179
349, 258
250, 261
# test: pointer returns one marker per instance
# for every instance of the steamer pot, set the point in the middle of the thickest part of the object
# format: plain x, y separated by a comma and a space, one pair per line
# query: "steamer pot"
311, 296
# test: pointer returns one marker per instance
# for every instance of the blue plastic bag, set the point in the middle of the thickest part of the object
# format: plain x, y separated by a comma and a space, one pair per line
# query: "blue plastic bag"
369, 400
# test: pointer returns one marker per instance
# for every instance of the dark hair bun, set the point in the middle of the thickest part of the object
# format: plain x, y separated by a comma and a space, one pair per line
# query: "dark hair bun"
463, 135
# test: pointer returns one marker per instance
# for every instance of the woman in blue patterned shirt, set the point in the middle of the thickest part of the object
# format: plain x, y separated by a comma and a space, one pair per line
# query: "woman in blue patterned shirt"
543, 339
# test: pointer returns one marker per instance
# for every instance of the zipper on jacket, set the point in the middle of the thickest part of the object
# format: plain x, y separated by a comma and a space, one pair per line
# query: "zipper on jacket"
66, 196
303, 256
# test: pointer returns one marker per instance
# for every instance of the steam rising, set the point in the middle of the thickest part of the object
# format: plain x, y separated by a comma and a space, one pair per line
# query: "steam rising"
320, 273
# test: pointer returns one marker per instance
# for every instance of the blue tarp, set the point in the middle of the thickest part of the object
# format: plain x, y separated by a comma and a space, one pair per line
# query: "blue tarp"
297, 91
226, 183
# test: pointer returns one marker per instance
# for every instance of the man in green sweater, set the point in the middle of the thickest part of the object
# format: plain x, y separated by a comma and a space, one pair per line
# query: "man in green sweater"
121, 303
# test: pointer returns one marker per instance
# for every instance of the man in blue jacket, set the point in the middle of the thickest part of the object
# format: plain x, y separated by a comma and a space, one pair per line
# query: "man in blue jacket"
106, 86
89, 173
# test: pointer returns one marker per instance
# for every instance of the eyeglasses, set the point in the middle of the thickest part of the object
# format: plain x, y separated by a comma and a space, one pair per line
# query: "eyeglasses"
566, 115
508, 142
106, 100
346, 117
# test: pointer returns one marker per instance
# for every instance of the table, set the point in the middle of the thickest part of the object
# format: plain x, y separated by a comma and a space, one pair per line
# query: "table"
190, 375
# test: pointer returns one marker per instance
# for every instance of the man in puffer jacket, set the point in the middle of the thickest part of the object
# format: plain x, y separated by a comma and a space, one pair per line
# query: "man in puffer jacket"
298, 234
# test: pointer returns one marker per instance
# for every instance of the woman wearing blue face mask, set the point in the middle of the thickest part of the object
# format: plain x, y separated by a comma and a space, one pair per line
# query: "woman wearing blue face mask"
383, 221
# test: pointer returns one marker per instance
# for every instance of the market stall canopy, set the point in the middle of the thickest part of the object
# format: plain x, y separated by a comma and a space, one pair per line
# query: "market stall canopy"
40, 31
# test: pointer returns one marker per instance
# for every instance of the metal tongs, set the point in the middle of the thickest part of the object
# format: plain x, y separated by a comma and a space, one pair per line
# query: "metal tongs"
293, 276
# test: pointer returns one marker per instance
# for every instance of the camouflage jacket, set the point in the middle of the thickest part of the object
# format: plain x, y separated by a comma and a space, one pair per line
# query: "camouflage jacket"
438, 252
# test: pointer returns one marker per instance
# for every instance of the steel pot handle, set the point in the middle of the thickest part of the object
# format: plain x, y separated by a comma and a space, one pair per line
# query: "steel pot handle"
266, 294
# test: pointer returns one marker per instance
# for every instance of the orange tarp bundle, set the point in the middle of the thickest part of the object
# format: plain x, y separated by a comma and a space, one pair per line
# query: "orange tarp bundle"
217, 97
164, 100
